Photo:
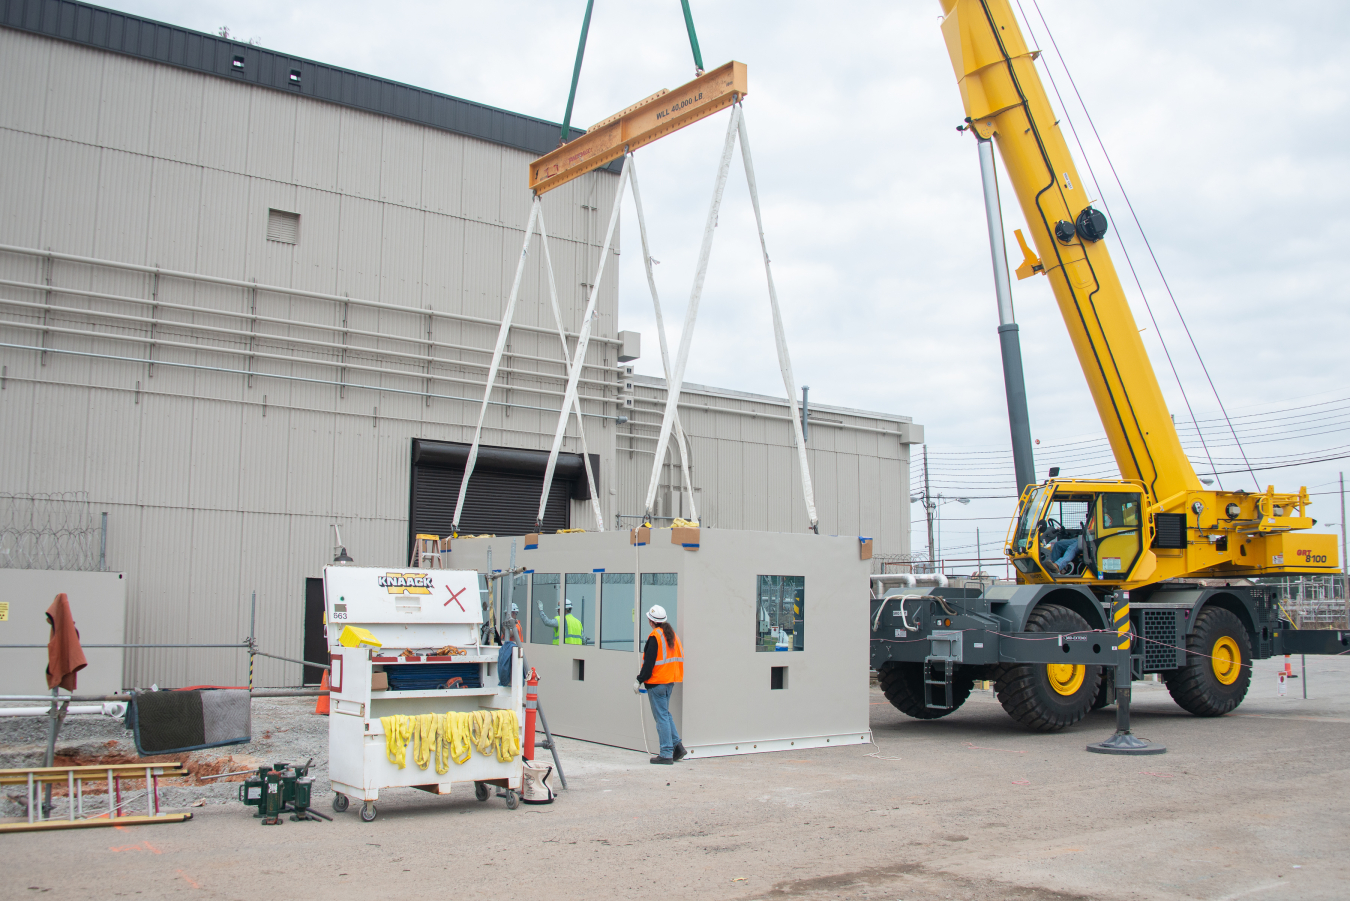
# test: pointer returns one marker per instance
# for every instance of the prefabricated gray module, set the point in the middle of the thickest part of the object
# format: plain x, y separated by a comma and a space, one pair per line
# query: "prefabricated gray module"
773, 625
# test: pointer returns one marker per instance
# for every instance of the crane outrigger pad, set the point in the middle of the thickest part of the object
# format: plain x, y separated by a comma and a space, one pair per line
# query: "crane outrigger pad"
640, 124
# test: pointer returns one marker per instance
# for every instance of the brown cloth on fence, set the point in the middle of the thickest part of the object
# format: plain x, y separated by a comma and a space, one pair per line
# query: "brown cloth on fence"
65, 657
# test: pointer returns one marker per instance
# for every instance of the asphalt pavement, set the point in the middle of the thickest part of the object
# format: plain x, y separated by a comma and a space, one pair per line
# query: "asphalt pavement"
1247, 806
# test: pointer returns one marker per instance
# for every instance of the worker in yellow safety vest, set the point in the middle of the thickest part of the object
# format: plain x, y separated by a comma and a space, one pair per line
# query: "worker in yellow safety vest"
575, 629
662, 668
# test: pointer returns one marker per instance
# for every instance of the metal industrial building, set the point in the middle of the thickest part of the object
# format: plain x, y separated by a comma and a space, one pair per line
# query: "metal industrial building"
244, 296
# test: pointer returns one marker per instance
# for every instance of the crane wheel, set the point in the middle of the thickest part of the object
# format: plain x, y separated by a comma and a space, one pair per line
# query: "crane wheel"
1048, 697
902, 683
1105, 697
1218, 665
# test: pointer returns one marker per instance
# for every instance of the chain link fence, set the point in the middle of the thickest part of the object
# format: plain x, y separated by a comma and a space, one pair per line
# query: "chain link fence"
49, 531
1313, 602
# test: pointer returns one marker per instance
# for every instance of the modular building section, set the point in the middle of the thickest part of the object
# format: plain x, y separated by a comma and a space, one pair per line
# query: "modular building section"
773, 625
412, 614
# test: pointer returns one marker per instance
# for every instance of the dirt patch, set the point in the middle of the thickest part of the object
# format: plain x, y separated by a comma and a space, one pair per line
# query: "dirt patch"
915, 882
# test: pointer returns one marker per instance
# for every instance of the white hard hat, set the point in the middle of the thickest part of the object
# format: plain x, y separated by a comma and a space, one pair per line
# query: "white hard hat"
656, 613
515, 609
567, 605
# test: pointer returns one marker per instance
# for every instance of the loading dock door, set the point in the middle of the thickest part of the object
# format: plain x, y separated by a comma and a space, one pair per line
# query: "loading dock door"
503, 495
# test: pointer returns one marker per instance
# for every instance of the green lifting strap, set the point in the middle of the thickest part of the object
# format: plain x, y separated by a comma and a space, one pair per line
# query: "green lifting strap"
693, 38
581, 52
576, 74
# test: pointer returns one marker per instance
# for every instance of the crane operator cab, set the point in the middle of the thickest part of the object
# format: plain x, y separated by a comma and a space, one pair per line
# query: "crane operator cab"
1075, 531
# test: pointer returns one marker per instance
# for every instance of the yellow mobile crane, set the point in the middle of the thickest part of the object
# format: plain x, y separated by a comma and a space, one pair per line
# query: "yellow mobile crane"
1157, 533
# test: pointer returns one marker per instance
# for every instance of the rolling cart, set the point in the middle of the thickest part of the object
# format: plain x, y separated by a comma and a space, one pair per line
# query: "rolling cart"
396, 639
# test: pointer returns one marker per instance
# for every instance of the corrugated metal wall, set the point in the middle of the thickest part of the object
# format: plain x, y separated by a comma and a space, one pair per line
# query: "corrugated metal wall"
744, 468
224, 428
218, 484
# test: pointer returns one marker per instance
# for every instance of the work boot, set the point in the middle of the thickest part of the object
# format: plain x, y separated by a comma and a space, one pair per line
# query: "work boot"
1052, 566
680, 752
664, 760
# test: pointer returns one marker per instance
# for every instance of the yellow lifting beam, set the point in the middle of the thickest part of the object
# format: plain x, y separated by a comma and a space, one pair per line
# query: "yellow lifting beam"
643, 122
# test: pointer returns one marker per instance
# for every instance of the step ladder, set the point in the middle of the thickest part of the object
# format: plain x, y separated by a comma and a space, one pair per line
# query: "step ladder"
74, 779
427, 551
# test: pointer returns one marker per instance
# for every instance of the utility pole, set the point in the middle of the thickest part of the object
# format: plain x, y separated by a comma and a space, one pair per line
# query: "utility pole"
928, 509
1345, 579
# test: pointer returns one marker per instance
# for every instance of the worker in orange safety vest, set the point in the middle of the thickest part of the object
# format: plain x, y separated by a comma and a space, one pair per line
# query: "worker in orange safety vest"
662, 668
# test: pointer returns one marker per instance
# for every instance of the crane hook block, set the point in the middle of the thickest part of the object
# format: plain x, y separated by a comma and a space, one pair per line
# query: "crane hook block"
1091, 225
1031, 264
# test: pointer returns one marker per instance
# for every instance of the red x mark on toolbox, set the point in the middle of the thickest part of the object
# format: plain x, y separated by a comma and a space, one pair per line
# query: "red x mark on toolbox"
454, 596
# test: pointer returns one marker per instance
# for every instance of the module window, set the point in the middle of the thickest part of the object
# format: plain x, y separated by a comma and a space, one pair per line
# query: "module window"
618, 612
780, 621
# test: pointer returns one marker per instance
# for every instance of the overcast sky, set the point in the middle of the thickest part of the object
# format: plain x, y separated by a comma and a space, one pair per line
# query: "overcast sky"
1226, 121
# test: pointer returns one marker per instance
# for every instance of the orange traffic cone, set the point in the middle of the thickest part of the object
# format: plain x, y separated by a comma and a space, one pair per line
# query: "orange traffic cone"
321, 707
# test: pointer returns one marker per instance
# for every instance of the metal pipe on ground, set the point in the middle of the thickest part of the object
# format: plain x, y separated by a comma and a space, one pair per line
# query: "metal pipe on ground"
88, 699
107, 708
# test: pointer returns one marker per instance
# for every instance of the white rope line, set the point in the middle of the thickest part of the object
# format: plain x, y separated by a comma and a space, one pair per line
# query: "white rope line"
502, 335
567, 362
675, 382
661, 336
784, 361
583, 339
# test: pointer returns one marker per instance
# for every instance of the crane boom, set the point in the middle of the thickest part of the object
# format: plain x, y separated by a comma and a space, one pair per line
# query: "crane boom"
1006, 101
1158, 521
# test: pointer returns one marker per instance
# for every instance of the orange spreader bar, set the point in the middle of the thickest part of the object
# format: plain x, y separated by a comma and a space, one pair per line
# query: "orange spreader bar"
642, 123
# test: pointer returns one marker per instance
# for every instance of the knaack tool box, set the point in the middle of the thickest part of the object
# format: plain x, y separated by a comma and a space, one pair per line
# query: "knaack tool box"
443, 719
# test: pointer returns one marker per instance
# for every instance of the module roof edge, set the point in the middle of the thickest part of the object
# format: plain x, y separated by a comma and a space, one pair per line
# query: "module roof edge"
172, 45
730, 393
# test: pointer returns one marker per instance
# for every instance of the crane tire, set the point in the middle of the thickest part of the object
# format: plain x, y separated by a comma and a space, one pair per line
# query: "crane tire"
1035, 694
1104, 698
1218, 668
902, 683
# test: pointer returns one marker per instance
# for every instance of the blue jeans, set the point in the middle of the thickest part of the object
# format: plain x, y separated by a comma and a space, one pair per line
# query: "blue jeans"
669, 736
1063, 551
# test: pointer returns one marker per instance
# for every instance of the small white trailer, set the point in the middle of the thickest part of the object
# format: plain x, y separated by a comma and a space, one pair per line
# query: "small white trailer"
426, 623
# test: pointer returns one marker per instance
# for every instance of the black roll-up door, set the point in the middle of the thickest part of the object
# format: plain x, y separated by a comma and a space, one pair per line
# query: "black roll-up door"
316, 644
498, 502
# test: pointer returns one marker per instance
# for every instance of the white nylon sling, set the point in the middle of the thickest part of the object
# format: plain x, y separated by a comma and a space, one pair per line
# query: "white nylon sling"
675, 381
583, 340
567, 361
784, 361
502, 335
661, 337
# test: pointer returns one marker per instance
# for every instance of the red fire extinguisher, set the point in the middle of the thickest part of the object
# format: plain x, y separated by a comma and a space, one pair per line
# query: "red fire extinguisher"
531, 705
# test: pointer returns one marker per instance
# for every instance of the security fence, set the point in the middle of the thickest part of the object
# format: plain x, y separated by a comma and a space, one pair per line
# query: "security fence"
51, 531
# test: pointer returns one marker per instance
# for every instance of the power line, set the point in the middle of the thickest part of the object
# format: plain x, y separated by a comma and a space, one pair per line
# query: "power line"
1142, 234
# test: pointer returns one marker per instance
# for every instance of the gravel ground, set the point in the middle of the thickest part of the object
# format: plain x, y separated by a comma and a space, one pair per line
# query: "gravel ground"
284, 729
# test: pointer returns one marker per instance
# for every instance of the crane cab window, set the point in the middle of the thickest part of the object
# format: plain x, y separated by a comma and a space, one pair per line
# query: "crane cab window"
1062, 535
1028, 518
